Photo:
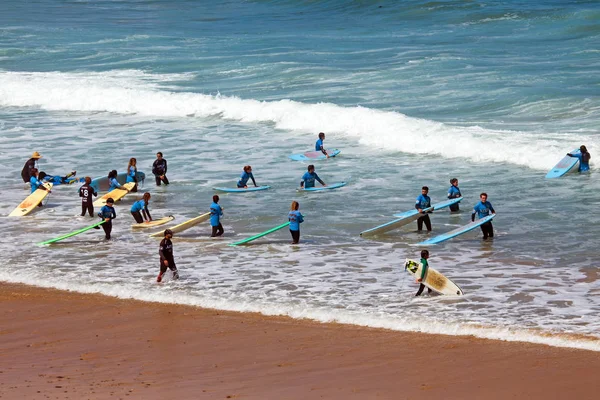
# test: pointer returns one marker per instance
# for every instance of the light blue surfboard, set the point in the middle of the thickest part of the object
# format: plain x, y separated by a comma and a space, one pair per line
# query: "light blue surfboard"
265, 233
458, 231
436, 207
314, 155
565, 165
242, 190
319, 188
101, 184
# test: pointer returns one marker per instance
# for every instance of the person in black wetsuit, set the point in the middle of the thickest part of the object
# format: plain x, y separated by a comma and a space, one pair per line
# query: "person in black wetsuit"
159, 169
86, 192
167, 260
29, 165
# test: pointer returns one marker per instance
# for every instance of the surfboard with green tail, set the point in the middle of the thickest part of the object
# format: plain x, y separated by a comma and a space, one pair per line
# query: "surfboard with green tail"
265, 233
68, 235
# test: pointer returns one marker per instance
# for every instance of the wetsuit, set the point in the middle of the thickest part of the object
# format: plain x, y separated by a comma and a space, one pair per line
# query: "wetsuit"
309, 179
295, 219
215, 219
423, 274
132, 177
114, 184
26, 171
319, 146
87, 202
138, 208
244, 179
584, 160
159, 169
107, 212
165, 251
454, 193
483, 210
36, 184
423, 202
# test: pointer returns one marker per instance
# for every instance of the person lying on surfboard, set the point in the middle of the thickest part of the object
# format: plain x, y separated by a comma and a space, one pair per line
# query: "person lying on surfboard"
309, 178
141, 207
584, 159
483, 209
423, 202
424, 257
246, 174
319, 144
58, 180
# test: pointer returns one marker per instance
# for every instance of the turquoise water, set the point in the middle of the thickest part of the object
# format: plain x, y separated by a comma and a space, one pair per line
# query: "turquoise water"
413, 93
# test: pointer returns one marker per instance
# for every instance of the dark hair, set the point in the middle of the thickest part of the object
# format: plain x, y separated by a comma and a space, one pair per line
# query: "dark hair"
159, 153
311, 166
112, 174
483, 194
453, 180
146, 197
425, 188
110, 200
88, 180
216, 198
424, 253
43, 175
321, 134
583, 149
168, 232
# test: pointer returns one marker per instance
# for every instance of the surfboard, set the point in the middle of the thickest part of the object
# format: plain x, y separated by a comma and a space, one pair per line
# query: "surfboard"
436, 207
101, 184
154, 222
265, 233
319, 188
564, 166
68, 235
314, 155
184, 225
31, 202
242, 190
434, 279
116, 194
458, 231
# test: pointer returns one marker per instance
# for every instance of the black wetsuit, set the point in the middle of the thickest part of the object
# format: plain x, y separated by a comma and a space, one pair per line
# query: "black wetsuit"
26, 171
159, 168
166, 253
107, 212
87, 202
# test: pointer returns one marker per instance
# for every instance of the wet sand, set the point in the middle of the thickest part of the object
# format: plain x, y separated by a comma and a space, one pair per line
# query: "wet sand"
63, 345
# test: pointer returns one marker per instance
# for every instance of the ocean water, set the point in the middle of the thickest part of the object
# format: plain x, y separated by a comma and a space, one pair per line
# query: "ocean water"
413, 93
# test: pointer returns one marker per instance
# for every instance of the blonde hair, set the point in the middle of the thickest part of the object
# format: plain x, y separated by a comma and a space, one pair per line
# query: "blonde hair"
295, 206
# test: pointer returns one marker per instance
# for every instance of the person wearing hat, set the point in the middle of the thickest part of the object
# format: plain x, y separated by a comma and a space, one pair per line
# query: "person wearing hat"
29, 165
165, 251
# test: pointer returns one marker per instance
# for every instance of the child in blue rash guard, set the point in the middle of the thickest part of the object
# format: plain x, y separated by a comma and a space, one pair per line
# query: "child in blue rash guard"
108, 213
584, 159
58, 180
112, 180
132, 173
159, 169
483, 209
35, 182
141, 207
246, 174
295, 219
424, 257
86, 192
454, 193
319, 144
423, 202
216, 211
309, 178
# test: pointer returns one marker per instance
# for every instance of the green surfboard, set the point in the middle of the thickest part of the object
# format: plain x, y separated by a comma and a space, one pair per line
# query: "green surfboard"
265, 233
68, 235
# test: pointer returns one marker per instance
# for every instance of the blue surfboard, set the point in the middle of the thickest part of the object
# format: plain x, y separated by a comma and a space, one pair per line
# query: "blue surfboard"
565, 165
242, 190
314, 155
436, 207
319, 188
101, 184
458, 231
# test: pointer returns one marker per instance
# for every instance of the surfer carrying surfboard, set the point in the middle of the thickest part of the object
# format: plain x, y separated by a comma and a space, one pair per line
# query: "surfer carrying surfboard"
141, 207
295, 218
454, 193
423, 202
309, 178
165, 251
86, 192
159, 169
424, 257
246, 174
483, 209
584, 159
108, 213
216, 211
319, 144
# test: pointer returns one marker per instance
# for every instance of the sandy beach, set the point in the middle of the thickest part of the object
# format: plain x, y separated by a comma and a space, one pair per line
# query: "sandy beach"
63, 345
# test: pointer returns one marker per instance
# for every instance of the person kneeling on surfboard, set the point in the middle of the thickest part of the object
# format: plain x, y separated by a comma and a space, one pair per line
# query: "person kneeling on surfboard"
454, 193
141, 207
295, 218
215, 217
165, 250
423, 202
584, 159
85, 192
108, 213
308, 179
246, 174
424, 257
483, 209
319, 144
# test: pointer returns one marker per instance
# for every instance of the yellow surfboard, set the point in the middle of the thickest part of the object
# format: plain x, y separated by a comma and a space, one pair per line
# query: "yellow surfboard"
185, 225
31, 202
116, 194
154, 222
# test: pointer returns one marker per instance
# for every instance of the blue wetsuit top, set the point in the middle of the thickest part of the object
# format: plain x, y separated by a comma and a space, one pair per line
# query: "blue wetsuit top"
423, 202
584, 161
309, 179
215, 214
107, 212
244, 179
295, 219
139, 206
114, 184
482, 210
35, 183
131, 174
319, 145
454, 192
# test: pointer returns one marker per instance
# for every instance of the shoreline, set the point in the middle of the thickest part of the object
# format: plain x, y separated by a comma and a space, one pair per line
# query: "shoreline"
62, 344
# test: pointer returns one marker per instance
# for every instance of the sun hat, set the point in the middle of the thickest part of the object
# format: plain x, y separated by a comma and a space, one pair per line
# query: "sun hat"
36, 155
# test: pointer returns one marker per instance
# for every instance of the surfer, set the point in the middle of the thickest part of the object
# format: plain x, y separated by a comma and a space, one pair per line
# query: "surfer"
112, 180
308, 179
584, 159
483, 209
159, 169
36, 182
246, 174
58, 180
86, 192
141, 207
423, 202
108, 213
132, 173
319, 144
216, 211
454, 193
165, 250
29, 165
424, 257
295, 218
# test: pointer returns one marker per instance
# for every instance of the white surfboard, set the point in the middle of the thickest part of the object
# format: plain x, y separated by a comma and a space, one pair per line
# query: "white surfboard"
31, 202
154, 222
434, 279
184, 225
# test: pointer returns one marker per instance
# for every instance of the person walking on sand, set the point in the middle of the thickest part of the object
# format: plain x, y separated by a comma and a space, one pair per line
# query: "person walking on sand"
165, 251
454, 193
246, 174
424, 257
86, 192
108, 213
423, 202
584, 159
483, 209
309, 178
159, 169
295, 218
319, 146
141, 207
216, 212
29, 165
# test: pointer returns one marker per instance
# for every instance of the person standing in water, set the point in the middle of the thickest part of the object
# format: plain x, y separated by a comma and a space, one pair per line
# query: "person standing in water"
454, 193
424, 257
215, 217
584, 159
132, 173
483, 209
295, 218
246, 174
159, 169
86, 192
108, 213
423, 202
165, 251
319, 146
141, 207
309, 178
29, 165
35, 182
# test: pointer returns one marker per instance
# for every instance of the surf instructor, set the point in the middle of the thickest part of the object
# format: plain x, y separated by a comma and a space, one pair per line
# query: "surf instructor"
483, 209
423, 202
584, 159
29, 165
